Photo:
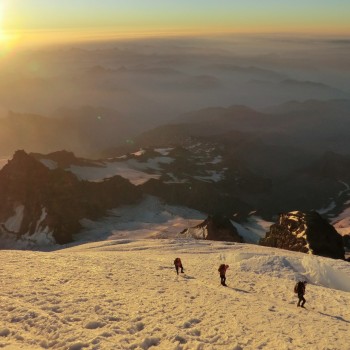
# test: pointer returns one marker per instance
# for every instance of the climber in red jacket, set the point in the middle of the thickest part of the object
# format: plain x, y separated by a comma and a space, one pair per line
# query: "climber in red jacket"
222, 270
178, 265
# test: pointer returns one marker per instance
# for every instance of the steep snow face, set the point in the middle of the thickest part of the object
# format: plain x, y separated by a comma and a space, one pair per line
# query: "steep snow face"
13, 223
338, 210
152, 218
253, 229
213, 176
196, 232
139, 153
136, 177
42, 237
49, 163
149, 219
342, 222
163, 151
217, 160
145, 164
125, 294
137, 172
140, 166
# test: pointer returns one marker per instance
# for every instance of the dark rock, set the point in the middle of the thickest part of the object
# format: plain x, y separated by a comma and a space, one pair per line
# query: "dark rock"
346, 241
64, 159
305, 232
198, 195
214, 228
50, 203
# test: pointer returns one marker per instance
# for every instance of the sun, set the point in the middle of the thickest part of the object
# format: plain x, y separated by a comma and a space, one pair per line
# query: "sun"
2, 34
6, 40
3, 37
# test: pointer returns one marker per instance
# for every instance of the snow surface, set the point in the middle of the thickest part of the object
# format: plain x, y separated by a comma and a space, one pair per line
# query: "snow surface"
175, 180
327, 209
42, 237
49, 163
13, 223
112, 169
164, 151
347, 188
135, 171
253, 229
125, 294
139, 153
216, 160
342, 222
213, 176
152, 218
149, 219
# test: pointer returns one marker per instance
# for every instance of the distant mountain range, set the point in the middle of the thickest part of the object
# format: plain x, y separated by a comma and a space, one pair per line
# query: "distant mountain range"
47, 196
85, 130
314, 126
220, 161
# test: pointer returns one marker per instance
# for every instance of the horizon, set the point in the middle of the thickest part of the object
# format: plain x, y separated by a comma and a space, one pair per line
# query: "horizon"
38, 22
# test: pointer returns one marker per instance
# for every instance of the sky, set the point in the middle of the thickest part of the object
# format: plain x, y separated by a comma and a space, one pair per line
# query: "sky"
144, 17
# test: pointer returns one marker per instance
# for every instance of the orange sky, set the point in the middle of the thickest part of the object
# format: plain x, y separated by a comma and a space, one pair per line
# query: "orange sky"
42, 20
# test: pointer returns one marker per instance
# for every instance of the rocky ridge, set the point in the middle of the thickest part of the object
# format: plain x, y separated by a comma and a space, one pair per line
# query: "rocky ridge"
214, 227
43, 206
305, 232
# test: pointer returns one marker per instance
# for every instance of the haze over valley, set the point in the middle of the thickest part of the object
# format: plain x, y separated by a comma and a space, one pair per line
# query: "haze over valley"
87, 98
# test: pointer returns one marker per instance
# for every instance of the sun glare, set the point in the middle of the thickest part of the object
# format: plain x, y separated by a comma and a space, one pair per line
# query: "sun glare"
6, 43
6, 40
2, 34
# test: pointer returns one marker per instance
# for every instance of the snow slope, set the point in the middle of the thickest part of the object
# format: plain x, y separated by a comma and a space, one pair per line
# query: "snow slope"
124, 294
342, 222
135, 171
152, 218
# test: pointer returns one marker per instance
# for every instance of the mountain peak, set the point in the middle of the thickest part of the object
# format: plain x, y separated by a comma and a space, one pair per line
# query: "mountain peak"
305, 232
22, 163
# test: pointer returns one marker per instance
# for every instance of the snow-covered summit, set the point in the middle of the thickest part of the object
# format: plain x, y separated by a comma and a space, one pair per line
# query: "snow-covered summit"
214, 227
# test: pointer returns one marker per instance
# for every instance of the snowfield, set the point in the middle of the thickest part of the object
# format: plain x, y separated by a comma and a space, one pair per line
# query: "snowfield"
132, 169
125, 294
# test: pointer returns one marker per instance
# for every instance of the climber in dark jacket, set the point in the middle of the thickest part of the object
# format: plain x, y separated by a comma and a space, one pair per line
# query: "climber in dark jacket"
222, 270
300, 289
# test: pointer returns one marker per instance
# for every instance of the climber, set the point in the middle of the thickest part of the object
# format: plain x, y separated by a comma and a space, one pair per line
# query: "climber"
222, 270
300, 290
178, 265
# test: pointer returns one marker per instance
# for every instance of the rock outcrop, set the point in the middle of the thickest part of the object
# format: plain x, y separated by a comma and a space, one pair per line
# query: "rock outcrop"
346, 241
215, 228
43, 206
63, 159
305, 232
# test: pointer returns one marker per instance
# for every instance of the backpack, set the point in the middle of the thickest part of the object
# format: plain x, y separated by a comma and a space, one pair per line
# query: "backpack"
297, 287
221, 268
